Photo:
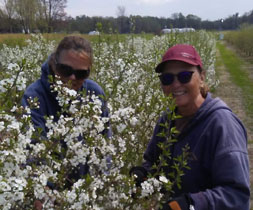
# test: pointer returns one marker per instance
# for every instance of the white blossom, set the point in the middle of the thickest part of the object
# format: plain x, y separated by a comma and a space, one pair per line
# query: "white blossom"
1, 126
163, 179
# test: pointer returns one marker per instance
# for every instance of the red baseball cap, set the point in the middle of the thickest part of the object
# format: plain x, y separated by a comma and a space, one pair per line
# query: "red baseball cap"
180, 52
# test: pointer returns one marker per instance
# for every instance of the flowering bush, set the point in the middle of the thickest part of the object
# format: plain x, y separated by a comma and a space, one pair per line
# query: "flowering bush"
125, 71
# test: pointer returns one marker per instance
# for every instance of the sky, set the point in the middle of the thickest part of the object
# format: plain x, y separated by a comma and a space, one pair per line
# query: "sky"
205, 9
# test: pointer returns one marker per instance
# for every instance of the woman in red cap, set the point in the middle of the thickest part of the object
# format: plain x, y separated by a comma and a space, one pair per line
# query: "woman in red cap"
218, 178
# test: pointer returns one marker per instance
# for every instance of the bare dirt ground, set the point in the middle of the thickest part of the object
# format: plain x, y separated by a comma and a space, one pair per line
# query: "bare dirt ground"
231, 94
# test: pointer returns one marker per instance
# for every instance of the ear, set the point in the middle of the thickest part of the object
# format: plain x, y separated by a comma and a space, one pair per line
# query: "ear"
203, 75
51, 62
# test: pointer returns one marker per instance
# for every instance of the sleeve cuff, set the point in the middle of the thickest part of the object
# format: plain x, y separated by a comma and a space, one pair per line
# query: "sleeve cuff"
199, 200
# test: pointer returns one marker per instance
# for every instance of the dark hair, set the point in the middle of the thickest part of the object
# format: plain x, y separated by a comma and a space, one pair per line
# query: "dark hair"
76, 43
204, 89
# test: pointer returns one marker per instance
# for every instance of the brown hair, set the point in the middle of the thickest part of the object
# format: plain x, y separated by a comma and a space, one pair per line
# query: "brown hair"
204, 89
76, 43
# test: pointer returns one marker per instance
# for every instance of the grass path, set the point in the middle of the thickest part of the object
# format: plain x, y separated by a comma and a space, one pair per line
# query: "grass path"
236, 84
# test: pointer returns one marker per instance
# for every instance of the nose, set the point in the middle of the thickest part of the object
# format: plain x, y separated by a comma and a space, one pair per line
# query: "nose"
175, 82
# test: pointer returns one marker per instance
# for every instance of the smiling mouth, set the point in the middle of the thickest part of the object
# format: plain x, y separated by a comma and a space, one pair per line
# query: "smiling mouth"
178, 93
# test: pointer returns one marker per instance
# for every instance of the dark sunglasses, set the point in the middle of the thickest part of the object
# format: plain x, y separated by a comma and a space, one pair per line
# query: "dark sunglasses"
66, 71
183, 77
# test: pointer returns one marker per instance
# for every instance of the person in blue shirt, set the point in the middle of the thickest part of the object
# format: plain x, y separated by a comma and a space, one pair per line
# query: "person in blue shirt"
218, 178
71, 62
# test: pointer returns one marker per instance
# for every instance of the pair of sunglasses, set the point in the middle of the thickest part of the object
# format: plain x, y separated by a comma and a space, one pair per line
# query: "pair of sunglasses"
66, 71
183, 77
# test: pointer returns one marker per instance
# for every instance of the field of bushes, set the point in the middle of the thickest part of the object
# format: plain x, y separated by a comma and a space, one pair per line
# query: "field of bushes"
241, 39
124, 67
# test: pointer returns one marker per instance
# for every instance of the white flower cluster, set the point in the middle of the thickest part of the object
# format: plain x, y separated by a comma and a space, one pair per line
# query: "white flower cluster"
22, 65
149, 186
13, 155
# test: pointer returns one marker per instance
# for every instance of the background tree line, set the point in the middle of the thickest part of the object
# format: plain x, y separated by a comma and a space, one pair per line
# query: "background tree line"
49, 16
31, 15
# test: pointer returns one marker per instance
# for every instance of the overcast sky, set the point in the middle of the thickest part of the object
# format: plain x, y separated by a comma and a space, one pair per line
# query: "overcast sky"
205, 9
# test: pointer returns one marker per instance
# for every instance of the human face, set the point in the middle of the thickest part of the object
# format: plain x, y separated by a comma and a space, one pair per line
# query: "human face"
73, 62
187, 94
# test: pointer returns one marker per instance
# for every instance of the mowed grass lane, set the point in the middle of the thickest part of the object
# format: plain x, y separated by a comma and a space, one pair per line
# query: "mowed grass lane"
241, 75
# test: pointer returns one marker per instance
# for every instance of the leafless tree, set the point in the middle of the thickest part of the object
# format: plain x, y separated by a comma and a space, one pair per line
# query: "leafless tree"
121, 11
52, 10
26, 11
9, 11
